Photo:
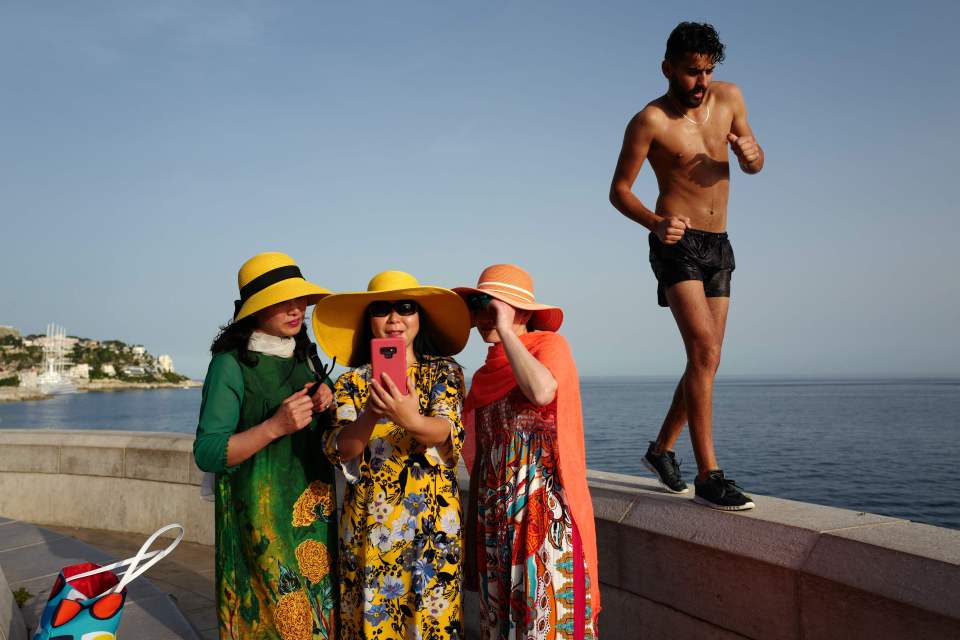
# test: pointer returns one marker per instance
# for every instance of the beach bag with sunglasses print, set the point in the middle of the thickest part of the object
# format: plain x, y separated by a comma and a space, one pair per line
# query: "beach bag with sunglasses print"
86, 600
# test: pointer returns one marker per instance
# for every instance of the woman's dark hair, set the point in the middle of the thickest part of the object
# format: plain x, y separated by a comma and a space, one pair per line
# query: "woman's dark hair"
423, 343
694, 37
236, 335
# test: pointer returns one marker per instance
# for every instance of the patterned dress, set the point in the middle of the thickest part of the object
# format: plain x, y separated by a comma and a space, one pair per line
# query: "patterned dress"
531, 566
400, 542
275, 512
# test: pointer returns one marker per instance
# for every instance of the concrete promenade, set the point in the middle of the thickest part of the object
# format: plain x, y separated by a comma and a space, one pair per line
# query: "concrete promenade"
668, 568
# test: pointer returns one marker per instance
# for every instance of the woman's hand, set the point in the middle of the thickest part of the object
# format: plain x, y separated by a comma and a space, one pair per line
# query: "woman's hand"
294, 414
386, 400
322, 399
505, 315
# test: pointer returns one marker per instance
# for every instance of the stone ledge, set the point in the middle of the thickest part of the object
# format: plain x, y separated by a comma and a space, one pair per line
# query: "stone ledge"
907, 562
766, 573
763, 573
113, 504
162, 457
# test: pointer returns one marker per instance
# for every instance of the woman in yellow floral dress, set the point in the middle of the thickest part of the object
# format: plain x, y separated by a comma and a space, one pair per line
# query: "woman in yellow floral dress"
400, 534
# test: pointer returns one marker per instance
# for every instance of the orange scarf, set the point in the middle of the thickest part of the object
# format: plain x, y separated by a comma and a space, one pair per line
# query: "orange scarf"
493, 381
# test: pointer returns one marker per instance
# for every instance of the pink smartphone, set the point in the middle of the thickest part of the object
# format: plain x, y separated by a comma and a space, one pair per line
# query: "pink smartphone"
389, 355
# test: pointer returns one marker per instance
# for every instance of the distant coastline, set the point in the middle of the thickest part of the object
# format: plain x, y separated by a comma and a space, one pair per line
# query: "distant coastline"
30, 394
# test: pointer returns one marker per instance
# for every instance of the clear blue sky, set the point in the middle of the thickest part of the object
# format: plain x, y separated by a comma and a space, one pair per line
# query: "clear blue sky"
149, 148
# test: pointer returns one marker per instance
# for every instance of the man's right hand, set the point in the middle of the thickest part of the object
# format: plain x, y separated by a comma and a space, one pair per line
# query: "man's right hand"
294, 414
670, 230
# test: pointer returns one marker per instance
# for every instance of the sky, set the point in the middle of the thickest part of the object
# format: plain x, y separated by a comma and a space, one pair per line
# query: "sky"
148, 149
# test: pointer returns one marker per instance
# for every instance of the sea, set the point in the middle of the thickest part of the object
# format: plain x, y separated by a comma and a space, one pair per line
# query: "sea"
887, 446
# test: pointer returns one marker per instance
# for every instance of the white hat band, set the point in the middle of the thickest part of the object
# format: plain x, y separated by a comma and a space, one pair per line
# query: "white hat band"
493, 284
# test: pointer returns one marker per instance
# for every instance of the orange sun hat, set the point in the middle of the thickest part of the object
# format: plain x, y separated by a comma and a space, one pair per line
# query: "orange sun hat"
511, 284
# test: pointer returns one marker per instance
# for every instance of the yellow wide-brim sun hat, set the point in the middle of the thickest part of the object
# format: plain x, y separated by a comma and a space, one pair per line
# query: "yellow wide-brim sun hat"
338, 318
270, 278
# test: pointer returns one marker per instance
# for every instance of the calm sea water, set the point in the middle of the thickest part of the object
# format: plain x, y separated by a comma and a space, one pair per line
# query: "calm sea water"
884, 446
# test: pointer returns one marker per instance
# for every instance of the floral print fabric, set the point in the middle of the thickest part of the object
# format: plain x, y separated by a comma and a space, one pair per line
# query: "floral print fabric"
400, 545
532, 572
275, 512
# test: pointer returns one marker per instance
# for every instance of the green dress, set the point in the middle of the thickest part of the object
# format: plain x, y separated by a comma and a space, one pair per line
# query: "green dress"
276, 540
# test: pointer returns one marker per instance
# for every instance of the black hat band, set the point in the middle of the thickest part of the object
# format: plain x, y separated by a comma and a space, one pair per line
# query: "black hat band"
271, 277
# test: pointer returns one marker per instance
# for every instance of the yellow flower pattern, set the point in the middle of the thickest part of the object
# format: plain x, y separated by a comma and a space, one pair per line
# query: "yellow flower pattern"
293, 616
313, 559
305, 509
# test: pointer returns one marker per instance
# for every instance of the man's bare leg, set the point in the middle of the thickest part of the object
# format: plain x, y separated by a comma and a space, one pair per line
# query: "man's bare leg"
702, 324
676, 418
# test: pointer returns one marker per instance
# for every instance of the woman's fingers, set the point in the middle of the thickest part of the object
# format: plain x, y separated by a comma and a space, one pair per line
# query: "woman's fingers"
390, 387
378, 404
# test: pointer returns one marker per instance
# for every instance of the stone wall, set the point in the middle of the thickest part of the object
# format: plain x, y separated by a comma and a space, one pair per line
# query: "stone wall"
668, 568
113, 480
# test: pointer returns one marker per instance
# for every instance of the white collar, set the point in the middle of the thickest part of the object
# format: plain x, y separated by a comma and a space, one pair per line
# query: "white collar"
271, 345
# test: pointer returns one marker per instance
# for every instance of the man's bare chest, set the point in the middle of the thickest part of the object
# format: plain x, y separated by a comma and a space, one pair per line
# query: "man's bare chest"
686, 142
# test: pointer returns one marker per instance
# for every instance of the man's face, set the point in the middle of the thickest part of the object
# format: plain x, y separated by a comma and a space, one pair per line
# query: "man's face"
689, 78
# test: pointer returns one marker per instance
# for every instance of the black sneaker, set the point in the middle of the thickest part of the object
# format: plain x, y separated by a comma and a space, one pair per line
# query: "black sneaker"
718, 492
666, 468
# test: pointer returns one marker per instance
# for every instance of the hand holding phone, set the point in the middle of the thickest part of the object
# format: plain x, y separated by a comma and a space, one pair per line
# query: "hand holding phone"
389, 355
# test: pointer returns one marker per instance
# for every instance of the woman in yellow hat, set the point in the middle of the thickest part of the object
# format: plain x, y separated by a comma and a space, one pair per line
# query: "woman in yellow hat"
259, 431
530, 512
400, 549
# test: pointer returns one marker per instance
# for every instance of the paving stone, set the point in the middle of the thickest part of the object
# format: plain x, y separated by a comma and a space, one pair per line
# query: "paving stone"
17, 535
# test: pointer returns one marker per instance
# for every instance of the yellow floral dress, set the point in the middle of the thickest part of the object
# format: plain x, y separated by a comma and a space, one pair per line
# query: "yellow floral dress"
400, 541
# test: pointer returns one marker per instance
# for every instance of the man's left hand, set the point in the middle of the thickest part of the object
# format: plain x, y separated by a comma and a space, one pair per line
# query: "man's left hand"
745, 147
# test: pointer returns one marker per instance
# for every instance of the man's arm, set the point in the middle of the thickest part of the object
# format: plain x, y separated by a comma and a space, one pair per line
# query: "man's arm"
741, 139
636, 146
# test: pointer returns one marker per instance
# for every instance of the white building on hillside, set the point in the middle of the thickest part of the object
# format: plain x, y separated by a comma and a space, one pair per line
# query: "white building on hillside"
165, 363
81, 371
139, 350
108, 370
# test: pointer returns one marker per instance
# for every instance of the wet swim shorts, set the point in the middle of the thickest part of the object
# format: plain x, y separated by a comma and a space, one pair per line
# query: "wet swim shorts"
699, 255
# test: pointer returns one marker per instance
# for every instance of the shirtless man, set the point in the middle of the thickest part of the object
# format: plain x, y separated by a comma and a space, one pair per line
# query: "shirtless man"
685, 134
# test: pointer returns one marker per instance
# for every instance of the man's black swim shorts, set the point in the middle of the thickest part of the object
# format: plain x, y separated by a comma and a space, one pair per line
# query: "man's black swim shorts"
699, 255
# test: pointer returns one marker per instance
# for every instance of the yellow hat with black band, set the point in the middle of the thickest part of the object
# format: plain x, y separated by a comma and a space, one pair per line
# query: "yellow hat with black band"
338, 318
270, 278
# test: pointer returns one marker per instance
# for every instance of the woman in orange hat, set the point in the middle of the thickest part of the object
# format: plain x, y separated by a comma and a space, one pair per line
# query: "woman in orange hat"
400, 533
259, 432
530, 511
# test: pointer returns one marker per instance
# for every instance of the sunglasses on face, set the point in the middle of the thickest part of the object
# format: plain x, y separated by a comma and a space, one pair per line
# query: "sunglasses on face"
478, 301
382, 308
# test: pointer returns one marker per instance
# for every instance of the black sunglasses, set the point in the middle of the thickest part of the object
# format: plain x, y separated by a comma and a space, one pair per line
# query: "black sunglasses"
382, 308
478, 301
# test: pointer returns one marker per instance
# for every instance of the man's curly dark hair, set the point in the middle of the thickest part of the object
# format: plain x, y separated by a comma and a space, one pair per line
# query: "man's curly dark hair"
694, 37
